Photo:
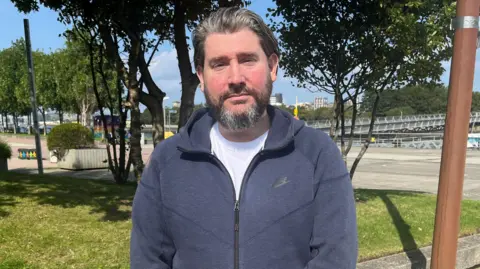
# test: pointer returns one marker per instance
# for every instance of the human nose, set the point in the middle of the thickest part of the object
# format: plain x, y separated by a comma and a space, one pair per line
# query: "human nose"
235, 74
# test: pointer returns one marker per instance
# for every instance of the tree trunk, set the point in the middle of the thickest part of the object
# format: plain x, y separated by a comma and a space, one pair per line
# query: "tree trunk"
6, 121
127, 78
83, 111
134, 100
369, 137
15, 123
60, 116
334, 120
354, 119
44, 123
124, 171
372, 120
187, 102
342, 129
100, 105
29, 123
156, 112
189, 79
153, 101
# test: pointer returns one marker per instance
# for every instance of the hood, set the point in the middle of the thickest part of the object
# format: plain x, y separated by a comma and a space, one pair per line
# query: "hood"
195, 135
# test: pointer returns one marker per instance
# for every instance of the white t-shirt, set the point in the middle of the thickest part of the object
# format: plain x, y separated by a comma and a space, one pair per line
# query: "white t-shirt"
235, 156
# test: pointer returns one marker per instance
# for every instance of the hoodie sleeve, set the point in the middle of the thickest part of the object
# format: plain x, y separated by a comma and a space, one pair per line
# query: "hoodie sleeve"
334, 242
150, 245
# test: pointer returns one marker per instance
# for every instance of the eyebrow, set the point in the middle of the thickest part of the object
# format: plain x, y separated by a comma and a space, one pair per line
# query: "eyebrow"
239, 55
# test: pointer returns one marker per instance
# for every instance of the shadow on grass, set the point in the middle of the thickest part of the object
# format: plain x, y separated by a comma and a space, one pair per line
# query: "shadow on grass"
416, 257
364, 195
112, 200
410, 247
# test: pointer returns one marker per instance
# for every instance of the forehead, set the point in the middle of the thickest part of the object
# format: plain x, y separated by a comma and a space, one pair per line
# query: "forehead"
225, 44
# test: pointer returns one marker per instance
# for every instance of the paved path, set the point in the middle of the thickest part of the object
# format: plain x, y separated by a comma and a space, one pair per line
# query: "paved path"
411, 169
380, 168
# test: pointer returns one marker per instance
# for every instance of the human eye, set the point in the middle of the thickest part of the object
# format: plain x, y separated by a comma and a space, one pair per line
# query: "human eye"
249, 59
217, 65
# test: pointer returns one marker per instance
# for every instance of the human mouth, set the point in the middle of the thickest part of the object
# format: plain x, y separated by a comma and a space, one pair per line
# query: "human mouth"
238, 98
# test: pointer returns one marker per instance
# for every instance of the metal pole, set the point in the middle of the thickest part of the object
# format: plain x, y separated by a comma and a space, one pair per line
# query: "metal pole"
33, 98
164, 120
450, 187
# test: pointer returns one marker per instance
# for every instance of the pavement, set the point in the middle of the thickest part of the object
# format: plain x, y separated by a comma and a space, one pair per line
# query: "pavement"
468, 257
31, 167
411, 169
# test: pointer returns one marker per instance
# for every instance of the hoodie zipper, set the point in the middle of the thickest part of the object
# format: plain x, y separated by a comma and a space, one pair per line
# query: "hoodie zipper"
236, 209
236, 259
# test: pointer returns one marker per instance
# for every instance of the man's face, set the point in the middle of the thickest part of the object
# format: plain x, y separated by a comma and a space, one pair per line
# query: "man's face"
237, 78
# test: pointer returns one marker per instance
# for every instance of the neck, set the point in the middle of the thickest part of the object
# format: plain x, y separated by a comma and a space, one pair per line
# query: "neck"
249, 134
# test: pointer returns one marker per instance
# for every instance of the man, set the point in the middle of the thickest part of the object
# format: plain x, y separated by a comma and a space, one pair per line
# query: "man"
243, 184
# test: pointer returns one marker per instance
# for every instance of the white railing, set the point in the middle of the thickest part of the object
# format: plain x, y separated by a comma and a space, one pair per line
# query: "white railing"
392, 123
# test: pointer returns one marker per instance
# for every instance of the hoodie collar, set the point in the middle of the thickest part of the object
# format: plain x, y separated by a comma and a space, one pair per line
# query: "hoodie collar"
195, 135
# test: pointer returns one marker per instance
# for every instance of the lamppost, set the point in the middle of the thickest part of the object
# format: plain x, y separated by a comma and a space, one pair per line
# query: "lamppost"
33, 98
452, 168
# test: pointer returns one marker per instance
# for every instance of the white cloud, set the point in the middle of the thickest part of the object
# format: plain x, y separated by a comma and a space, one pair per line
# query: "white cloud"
164, 65
165, 71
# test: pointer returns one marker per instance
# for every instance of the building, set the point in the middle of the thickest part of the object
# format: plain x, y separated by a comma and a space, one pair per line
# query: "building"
276, 99
176, 104
306, 105
320, 102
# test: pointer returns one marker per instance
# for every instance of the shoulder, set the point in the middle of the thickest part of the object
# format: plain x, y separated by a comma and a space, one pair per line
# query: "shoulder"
314, 143
164, 152
324, 154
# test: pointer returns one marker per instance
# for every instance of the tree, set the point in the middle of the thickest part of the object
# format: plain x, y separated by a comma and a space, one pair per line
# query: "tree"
349, 47
108, 92
418, 99
476, 102
75, 82
14, 91
125, 28
45, 84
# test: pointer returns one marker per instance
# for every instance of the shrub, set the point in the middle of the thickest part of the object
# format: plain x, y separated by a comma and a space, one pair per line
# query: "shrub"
69, 136
5, 150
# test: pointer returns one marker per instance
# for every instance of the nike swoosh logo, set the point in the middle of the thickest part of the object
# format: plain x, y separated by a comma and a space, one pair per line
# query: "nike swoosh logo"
280, 182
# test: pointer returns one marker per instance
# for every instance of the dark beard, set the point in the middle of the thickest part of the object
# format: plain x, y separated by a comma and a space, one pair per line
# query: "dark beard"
241, 121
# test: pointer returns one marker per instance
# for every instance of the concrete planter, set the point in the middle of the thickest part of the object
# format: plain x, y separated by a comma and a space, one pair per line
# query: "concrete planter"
3, 165
82, 159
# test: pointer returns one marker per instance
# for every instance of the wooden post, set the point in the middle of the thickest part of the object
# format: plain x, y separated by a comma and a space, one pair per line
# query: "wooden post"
452, 168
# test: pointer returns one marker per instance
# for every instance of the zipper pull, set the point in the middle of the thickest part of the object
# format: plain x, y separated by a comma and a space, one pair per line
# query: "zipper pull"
237, 205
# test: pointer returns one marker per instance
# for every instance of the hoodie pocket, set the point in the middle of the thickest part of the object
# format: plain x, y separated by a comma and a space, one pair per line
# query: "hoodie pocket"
276, 191
197, 199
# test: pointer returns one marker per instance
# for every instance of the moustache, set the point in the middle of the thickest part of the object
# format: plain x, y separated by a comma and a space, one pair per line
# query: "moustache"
236, 91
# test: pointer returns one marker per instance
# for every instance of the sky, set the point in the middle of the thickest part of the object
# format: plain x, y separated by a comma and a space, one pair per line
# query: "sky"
45, 31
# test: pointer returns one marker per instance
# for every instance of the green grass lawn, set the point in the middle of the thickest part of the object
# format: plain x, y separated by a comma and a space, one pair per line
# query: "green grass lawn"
54, 222
395, 221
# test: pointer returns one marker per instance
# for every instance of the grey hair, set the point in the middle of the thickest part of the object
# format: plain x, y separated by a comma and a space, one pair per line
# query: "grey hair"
231, 20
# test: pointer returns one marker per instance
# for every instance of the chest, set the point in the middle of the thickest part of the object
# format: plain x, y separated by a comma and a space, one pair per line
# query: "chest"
273, 187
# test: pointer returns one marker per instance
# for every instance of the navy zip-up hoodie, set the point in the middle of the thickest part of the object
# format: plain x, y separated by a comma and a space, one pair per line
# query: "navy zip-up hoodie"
296, 208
